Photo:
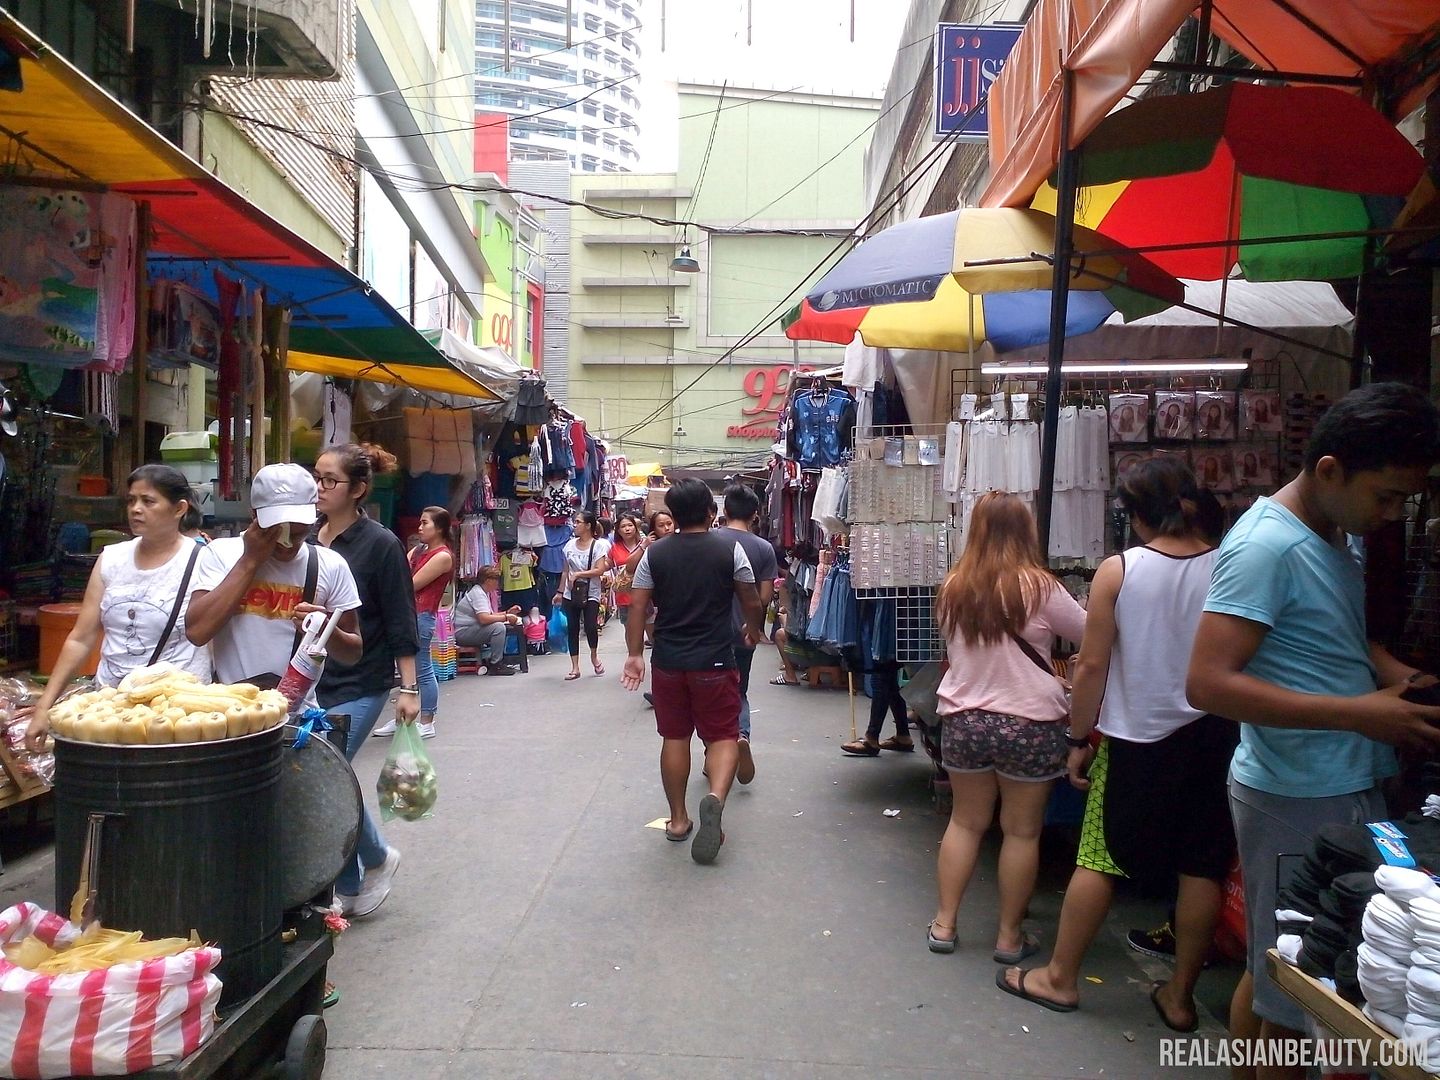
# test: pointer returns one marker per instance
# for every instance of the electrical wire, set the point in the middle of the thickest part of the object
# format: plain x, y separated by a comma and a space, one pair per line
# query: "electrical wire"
709, 146
894, 196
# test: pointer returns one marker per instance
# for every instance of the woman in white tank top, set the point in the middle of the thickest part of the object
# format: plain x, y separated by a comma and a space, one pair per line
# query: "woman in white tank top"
1158, 807
134, 590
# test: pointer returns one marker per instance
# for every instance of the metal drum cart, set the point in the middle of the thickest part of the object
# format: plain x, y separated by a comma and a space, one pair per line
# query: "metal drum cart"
276, 815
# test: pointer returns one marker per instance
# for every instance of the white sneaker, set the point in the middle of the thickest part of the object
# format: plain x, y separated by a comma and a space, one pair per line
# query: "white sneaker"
384, 731
427, 731
376, 886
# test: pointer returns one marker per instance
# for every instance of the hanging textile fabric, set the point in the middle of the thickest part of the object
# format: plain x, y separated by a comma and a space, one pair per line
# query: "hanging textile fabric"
822, 426
1082, 481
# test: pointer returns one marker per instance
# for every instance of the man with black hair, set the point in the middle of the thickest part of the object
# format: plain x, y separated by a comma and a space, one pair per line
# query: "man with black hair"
1282, 649
693, 576
742, 507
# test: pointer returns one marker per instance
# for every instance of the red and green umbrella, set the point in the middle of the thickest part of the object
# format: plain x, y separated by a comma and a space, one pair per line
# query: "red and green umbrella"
1240, 162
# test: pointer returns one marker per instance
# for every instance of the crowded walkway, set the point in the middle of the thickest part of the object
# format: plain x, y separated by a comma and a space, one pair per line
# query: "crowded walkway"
538, 929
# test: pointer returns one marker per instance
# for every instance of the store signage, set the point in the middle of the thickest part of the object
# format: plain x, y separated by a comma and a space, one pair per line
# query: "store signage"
968, 60
502, 331
766, 387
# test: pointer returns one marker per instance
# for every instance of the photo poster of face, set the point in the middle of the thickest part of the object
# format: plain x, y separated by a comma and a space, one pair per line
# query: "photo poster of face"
1122, 461
1214, 415
1260, 412
1129, 417
1256, 466
1174, 414
1214, 469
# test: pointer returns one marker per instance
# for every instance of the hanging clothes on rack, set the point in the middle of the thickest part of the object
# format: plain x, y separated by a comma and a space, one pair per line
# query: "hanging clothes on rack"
823, 425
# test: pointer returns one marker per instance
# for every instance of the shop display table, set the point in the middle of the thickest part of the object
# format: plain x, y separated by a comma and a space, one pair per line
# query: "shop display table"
1338, 1015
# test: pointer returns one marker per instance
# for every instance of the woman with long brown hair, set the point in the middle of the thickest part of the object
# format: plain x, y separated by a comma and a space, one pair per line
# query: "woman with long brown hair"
431, 565
1003, 710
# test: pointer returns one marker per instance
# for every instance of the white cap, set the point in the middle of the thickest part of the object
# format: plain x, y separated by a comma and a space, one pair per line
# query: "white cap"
282, 493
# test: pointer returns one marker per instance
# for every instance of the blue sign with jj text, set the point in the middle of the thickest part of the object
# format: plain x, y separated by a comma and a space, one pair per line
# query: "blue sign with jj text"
968, 59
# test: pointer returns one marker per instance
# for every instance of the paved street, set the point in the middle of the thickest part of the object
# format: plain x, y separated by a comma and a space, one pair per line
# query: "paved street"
537, 929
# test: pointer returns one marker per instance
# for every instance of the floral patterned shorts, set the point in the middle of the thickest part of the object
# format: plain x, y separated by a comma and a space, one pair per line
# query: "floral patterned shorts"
1015, 748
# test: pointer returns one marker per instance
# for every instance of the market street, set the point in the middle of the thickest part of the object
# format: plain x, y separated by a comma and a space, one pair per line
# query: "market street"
537, 929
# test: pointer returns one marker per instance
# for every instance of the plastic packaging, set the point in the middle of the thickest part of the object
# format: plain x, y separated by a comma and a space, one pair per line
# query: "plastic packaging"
407, 786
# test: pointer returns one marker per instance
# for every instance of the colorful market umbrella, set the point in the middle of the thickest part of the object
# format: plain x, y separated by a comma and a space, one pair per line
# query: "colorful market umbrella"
1244, 161
909, 286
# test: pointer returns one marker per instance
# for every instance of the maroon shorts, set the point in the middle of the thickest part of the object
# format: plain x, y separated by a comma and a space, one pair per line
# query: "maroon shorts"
704, 703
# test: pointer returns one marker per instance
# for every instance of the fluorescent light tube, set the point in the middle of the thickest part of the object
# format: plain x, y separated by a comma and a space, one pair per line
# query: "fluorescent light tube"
1104, 367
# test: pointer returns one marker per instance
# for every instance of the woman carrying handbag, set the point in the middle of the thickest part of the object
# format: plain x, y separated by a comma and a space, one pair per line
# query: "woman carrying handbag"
586, 562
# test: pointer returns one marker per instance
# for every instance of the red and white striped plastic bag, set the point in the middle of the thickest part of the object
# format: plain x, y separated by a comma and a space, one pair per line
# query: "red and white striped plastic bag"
99, 1023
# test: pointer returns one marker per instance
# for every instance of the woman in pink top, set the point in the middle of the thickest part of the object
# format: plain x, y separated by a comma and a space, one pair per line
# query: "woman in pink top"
1004, 712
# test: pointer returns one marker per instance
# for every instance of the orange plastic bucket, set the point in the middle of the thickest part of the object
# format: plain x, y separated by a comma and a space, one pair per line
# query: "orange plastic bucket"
56, 622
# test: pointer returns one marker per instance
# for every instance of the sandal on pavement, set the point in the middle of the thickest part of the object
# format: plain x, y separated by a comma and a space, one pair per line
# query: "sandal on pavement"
860, 748
709, 838
1183, 1029
780, 680
1025, 995
1029, 946
599, 669
571, 676
678, 837
903, 746
940, 944
332, 996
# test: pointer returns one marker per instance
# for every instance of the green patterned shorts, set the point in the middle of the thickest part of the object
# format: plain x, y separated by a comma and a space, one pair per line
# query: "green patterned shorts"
1093, 854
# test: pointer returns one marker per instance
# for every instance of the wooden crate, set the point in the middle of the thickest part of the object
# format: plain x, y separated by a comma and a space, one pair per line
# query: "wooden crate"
1338, 1015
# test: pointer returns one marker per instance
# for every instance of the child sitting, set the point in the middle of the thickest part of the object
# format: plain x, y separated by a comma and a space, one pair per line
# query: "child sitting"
536, 632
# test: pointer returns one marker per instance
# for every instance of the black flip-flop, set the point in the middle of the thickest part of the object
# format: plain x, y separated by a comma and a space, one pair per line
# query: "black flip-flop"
1193, 1026
678, 837
1029, 946
709, 838
1025, 995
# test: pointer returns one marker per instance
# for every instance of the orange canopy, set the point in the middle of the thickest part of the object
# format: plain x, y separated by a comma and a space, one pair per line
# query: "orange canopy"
1108, 44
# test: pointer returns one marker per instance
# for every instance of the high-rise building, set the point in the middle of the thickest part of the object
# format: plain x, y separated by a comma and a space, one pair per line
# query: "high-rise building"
573, 92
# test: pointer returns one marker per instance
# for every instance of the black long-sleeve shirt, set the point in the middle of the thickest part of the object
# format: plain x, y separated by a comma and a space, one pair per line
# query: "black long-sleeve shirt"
387, 613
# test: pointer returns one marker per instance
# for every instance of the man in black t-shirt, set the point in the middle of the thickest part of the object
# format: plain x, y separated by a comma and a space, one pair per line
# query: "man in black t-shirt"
742, 506
693, 576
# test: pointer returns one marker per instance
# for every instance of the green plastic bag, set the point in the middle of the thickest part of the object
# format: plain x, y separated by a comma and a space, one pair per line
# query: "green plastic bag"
407, 786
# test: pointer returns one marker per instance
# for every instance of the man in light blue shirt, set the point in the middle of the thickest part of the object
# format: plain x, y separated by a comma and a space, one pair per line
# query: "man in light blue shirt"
1282, 649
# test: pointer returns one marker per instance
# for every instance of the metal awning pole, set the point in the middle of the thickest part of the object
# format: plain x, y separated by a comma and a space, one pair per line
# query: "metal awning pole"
1067, 183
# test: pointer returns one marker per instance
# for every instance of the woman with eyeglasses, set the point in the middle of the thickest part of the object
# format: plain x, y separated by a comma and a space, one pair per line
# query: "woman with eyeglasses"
344, 475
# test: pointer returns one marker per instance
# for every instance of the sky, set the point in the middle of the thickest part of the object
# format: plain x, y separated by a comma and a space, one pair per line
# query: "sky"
801, 44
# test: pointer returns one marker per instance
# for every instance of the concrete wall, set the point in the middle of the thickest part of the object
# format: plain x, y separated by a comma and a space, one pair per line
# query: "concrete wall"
787, 162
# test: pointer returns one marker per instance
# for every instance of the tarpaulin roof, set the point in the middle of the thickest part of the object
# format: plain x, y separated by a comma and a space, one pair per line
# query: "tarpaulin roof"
69, 129
1108, 44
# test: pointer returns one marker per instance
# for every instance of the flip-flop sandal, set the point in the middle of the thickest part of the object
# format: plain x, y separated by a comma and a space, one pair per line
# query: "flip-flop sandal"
1029, 946
940, 944
599, 669
1188, 1029
708, 840
898, 746
679, 837
860, 748
1025, 995
571, 676
332, 996
780, 680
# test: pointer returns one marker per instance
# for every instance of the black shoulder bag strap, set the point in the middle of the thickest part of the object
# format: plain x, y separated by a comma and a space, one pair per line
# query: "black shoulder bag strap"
179, 602
1029, 650
307, 595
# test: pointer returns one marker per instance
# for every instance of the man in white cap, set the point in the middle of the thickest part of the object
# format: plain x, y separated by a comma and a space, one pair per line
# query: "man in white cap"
251, 592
